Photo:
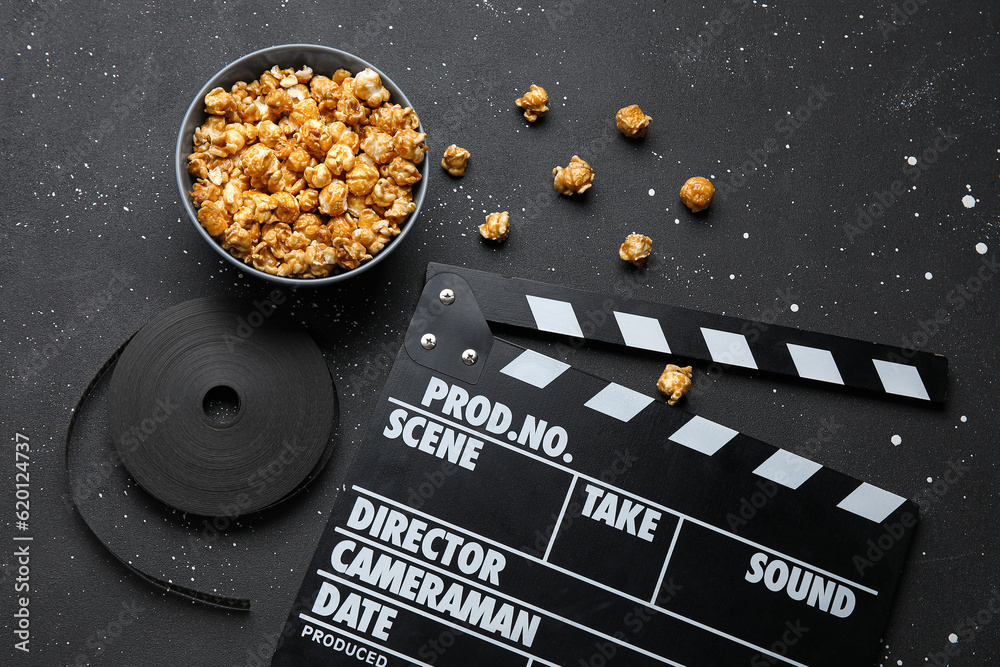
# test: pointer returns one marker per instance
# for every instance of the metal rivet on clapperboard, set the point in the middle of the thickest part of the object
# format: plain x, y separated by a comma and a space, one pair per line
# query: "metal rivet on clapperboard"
428, 341
470, 357
447, 297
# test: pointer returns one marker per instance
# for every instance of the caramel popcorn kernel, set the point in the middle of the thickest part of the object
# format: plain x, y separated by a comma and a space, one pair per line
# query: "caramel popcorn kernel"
674, 382
697, 193
632, 122
218, 102
410, 145
496, 227
636, 249
455, 160
573, 179
534, 103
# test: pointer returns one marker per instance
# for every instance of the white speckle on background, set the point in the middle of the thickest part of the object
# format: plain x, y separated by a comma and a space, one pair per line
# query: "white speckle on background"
968, 201
928, 275
732, 276
981, 248
746, 235
930, 479
964, 418
652, 192
794, 307
896, 440
911, 160
953, 638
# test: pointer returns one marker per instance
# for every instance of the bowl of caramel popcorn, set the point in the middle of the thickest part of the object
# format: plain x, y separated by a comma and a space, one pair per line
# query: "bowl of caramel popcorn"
301, 164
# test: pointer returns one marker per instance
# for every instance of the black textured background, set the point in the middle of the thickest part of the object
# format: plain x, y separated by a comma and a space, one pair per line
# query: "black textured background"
95, 243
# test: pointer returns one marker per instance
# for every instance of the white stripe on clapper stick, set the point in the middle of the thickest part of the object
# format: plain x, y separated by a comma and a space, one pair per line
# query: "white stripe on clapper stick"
554, 316
562, 513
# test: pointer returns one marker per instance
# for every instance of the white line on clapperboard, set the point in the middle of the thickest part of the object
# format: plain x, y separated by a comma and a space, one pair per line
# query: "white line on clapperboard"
562, 513
386, 598
578, 577
527, 605
624, 492
666, 561
310, 619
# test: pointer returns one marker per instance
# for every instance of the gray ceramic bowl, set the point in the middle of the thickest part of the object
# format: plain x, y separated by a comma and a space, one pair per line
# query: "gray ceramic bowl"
323, 60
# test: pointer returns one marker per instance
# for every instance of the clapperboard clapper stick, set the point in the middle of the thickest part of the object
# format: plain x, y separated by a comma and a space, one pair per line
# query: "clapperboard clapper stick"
505, 509
829, 360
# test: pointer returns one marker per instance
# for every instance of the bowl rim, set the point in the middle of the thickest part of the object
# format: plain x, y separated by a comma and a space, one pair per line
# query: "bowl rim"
183, 177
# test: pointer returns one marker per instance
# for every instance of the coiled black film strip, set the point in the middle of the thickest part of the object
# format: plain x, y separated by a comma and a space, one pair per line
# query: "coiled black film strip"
158, 480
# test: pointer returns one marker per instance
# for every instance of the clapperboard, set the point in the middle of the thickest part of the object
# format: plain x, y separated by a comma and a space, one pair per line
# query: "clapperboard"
507, 509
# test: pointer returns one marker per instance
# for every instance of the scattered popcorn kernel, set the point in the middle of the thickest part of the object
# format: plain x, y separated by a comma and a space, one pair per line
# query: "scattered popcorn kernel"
636, 249
573, 179
455, 160
534, 103
674, 382
632, 122
496, 227
697, 193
